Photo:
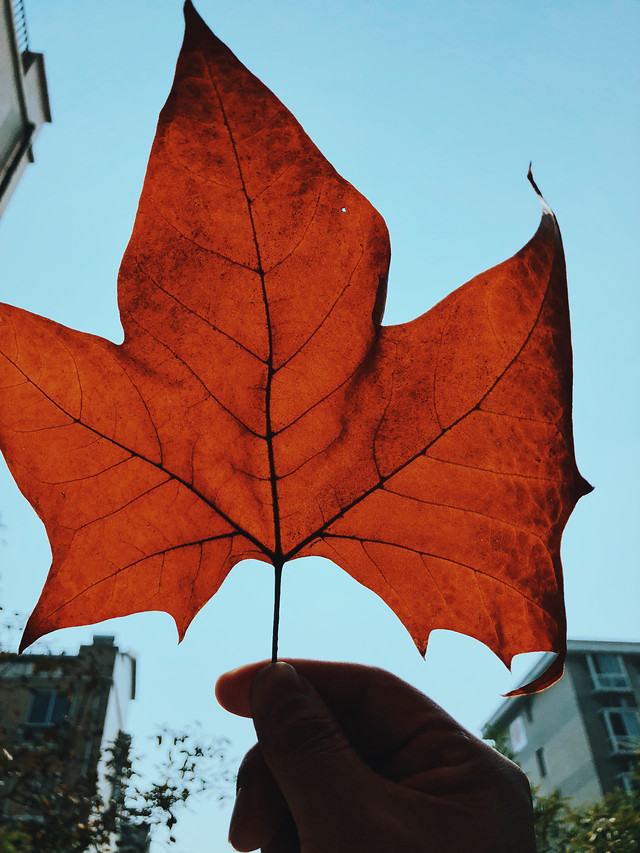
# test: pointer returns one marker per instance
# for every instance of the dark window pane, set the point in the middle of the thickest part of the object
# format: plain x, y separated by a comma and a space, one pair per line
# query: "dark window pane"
617, 724
60, 708
631, 723
606, 664
542, 764
39, 710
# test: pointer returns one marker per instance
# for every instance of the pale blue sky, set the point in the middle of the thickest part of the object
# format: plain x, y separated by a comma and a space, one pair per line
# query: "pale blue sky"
432, 110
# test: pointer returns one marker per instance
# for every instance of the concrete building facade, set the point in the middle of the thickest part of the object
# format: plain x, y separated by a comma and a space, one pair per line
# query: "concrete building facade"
82, 698
24, 99
581, 735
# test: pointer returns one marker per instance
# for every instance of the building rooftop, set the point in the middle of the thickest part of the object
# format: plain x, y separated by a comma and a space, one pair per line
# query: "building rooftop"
620, 647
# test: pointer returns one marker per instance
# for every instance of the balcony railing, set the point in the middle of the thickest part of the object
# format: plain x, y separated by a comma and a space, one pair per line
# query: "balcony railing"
611, 682
20, 23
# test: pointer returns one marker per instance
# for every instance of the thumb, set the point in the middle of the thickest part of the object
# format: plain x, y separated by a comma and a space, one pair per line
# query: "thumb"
315, 766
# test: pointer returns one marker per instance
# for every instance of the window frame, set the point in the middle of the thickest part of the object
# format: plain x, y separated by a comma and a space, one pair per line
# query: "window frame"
51, 718
602, 681
622, 744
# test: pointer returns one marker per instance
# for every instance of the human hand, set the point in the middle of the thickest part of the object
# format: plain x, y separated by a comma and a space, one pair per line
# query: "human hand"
350, 759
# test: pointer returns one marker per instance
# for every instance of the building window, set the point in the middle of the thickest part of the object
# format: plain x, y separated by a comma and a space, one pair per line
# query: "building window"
48, 708
608, 672
528, 708
540, 761
625, 781
623, 728
618, 700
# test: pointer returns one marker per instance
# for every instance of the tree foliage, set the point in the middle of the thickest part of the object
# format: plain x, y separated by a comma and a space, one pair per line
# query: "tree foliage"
611, 825
53, 799
54, 811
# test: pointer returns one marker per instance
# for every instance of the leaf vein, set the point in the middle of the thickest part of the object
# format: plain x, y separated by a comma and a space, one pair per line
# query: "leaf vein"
423, 451
199, 379
131, 565
437, 557
465, 510
195, 313
241, 531
326, 316
190, 239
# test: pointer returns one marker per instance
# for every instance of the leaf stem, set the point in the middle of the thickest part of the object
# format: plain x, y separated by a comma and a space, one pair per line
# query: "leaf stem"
276, 609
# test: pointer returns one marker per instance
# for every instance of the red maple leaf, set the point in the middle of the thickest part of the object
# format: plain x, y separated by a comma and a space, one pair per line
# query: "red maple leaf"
258, 408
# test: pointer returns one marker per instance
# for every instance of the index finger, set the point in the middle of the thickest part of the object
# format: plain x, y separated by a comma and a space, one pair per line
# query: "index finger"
391, 724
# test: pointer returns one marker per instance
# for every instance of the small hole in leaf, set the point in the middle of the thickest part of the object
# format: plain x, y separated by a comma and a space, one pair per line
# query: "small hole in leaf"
343, 209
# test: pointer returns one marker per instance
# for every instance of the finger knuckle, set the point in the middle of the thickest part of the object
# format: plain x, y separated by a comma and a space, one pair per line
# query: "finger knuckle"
299, 729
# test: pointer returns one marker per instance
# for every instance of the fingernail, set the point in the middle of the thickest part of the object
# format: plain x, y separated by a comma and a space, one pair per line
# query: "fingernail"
274, 681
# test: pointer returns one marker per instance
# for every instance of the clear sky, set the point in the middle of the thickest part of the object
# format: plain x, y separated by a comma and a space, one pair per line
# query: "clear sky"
433, 110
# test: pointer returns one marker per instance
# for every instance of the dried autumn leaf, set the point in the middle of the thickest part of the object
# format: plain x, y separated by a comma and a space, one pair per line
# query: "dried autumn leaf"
257, 408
